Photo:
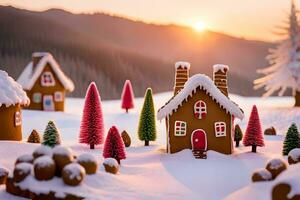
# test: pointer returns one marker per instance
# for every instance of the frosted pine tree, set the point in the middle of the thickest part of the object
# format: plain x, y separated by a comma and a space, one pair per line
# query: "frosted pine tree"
284, 69
51, 135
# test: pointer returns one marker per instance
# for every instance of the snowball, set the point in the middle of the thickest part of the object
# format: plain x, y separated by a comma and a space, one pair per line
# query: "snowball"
295, 154
276, 163
11, 93
86, 157
75, 170
43, 150
218, 67
111, 162
265, 174
43, 161
25, 158
60, 150
182, 64
24, 167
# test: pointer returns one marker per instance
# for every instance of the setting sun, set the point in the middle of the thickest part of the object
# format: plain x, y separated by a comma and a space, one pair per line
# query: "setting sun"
200, 26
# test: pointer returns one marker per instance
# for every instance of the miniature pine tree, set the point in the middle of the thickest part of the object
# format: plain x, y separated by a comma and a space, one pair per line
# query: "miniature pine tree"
127, 96
238, 135
114, 146
292, 140
34, 137
51, 135
92, 126
253, 136
147, 127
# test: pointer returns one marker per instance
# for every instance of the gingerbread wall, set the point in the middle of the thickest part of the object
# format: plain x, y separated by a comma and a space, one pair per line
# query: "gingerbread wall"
214, 114
8, 130
59, 106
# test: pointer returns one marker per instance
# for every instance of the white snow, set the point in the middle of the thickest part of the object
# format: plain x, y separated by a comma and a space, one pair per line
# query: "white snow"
191, 85
25, 158
111, 162
3, 171
74, 170
148, 172
295, 154
24, 168
182, 64
264, 173
43, 161
86, 157
276, 163
29, 76
218, 67
43, 150
61, 150
11, 93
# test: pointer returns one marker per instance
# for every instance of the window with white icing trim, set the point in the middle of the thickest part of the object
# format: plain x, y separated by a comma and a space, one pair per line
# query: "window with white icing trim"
220, 129
47, 79
18, 118
200, 109
58, 96
37, 97
180, 128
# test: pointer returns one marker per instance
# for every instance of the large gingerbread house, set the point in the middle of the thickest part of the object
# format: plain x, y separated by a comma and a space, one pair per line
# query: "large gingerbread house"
200, 116
45, 83
12, 97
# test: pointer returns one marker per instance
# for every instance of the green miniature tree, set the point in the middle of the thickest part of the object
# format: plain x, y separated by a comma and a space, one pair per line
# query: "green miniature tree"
147, 127
238, 135
34, 137
292, 140
51, 135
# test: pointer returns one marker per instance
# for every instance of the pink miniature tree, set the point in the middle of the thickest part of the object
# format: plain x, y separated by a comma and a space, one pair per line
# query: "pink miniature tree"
253, 136
127, 96
114, 146
92, 126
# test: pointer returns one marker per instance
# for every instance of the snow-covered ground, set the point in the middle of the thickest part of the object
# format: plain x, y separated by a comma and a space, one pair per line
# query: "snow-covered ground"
148, 172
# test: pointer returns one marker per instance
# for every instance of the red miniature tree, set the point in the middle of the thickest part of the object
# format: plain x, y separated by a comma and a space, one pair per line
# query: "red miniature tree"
92, 126
253, 136
127, 96
114, 146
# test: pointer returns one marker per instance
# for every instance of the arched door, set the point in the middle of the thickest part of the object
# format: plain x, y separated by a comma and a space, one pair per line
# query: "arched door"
199, 140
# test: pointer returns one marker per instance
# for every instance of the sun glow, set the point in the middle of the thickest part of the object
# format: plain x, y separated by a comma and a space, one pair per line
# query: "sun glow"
200, 26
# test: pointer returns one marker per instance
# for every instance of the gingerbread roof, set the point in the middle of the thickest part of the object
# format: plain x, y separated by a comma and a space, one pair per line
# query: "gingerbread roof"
29, 76
202, 81
11, 93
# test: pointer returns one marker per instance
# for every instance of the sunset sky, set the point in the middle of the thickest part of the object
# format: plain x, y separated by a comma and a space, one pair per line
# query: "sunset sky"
253, 19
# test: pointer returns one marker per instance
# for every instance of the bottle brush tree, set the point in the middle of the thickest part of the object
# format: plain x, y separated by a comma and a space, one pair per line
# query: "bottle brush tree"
253, 136
292, 140
238, 135
92, 125
127, 96
114, 146
147, 125
34, 137
51, 135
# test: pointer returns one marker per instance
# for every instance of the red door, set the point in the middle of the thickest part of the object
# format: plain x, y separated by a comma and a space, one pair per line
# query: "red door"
199, 140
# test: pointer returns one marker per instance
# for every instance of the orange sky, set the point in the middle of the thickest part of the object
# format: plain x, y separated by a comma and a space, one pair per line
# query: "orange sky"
253, 19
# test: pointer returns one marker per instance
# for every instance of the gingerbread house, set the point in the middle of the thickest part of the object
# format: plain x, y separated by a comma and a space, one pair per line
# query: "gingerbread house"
45, 83
200, 116
12, 97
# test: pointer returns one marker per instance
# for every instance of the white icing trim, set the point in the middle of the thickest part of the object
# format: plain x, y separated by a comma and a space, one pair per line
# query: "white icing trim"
221, 67
221, 133
200, 112
183, 64
185, 128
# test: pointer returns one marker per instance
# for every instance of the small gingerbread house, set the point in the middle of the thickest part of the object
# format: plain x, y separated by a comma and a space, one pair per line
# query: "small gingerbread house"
45, 83
200, 115
12, 97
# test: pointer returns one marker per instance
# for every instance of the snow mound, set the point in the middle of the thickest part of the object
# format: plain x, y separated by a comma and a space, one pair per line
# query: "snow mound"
3, 171
182, 64
43, 161
63, 151
86, 157
25, 158
294, 154
111, 162
11, 93
24, 167
43, 150
190, 86
75, 170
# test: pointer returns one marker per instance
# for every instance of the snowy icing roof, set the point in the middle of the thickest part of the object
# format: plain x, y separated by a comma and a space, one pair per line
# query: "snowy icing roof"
11, 93
28, 77
221, 67
191, 85
182, 64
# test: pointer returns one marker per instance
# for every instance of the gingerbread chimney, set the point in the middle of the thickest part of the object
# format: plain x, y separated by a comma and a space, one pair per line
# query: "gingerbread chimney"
220, 77
181, 76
